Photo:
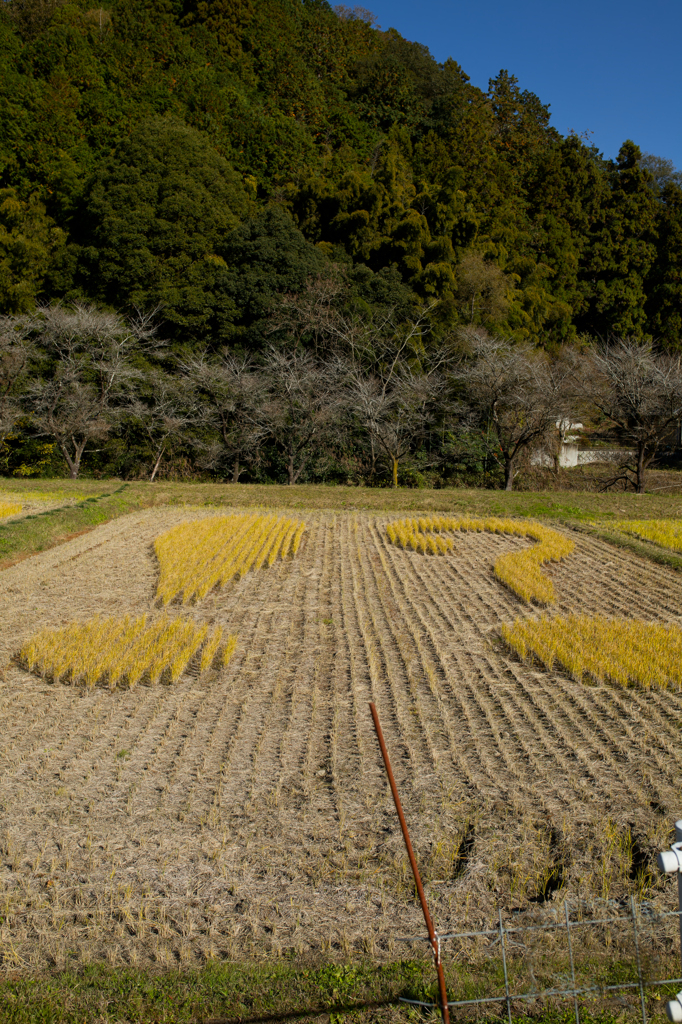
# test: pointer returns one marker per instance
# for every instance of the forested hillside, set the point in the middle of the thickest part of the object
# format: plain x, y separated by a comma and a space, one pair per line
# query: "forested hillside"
172, 152
204, 158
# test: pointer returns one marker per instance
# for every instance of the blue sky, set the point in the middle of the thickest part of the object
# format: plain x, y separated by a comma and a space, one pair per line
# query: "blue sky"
612, 68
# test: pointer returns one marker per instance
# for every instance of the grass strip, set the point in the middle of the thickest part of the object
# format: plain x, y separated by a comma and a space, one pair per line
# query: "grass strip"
217, 992
20, 538
573, 505
259, 993
622, 540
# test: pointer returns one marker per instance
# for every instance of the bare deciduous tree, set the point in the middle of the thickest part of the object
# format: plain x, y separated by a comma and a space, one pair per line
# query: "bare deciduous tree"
87, 359
393, 411
515, 391
316, 317
639, 391
230, 391
381, 360
311, 316
302, 399
163, 414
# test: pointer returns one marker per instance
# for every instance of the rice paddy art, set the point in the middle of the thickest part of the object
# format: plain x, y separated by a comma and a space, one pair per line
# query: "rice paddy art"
518, 570
595, 648
667, 533
198, 556
124, 651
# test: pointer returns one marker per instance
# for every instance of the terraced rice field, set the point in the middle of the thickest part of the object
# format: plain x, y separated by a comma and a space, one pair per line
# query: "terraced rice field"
244, 811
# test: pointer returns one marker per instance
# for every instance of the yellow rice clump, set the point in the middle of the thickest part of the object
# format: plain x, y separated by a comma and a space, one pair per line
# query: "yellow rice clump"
665, 532
195, 557
9, 508
122, 652
519, 570
587, 647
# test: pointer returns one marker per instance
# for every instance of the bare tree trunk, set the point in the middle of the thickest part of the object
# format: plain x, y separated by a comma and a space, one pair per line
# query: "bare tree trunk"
395, 471
641, 468
74, 463
292, 478
156, 465
236, 470
373, 462
509, 474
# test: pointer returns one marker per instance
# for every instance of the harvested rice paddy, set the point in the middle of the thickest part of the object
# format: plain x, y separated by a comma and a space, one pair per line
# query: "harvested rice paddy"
241, 810
21, 503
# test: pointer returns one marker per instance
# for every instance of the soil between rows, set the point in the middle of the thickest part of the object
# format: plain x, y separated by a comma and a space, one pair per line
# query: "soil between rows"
247, 814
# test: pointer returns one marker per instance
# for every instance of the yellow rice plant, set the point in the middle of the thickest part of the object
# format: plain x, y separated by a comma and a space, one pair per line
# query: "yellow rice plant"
195, 557
665, 532
601, 650
518, 570
9, 508
124, 651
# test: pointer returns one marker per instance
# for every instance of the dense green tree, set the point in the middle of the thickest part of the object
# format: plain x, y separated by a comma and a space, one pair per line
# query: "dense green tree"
156, 218
159, 135
521, 121
664, 286
226, 20
621, 250
266, 256
566, 191
32, 16
29, 240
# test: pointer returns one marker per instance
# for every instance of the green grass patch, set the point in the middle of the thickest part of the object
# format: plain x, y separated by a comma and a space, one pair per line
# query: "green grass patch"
574, 505
282, 991
218, 992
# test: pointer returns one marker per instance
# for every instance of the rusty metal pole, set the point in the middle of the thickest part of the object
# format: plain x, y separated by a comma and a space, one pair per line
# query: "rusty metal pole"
433, 938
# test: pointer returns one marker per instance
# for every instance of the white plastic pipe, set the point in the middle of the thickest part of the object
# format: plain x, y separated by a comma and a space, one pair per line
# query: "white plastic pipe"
678, 840
673, 1009
670, 861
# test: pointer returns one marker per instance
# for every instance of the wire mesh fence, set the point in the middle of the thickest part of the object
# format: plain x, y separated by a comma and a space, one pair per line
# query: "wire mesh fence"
628, 949
569, 953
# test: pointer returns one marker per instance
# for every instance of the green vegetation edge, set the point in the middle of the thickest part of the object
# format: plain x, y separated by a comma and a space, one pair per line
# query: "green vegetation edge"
27, 535
222, 992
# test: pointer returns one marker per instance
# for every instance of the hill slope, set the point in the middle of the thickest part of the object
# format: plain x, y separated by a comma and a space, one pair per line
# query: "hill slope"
209, 155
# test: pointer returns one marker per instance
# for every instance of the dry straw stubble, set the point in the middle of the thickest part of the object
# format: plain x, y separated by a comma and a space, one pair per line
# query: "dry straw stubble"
518, 570
267, 782
125, 651
195, 557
